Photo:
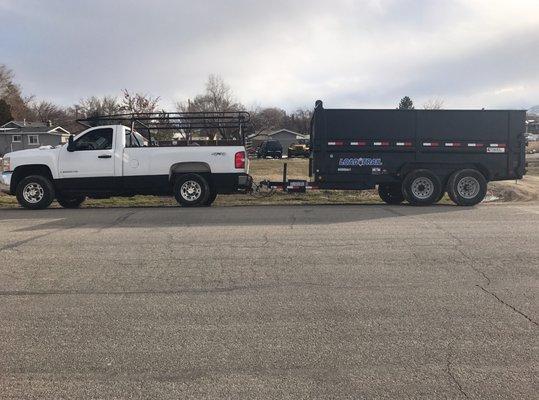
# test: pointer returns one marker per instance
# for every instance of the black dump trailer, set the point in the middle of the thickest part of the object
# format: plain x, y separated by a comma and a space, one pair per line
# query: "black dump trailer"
417, 155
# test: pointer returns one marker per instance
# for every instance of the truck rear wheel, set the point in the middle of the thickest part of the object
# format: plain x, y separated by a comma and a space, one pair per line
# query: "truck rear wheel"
391, 193
35, 192
467, 187
191, 190
70, 202
421, 187
211, 197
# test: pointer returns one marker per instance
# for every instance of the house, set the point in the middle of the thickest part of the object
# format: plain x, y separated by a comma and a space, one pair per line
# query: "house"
21, 135
284, 136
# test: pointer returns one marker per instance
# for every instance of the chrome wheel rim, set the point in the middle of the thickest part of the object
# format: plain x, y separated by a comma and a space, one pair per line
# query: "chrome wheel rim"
33, 193
191, 190
468, 187
422, 188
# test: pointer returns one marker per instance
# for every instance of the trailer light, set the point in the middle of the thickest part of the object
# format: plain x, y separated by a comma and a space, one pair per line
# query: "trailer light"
239, 160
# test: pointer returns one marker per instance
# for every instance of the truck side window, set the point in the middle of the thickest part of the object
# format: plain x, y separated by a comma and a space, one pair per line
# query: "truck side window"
98, 139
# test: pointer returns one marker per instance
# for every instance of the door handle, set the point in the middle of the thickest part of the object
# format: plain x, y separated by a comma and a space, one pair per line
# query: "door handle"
104, 156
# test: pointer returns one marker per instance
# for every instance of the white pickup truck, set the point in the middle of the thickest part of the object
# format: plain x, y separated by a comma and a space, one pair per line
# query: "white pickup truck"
114, 160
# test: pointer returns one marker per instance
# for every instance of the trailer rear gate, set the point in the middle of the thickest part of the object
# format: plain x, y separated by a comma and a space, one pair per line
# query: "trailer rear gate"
357, 149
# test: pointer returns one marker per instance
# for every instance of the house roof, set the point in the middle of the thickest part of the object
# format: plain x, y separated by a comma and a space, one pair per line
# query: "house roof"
19, 127
23, 124
269, 133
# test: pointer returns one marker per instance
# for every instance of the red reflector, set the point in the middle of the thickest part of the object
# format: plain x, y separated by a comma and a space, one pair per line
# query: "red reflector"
239, 160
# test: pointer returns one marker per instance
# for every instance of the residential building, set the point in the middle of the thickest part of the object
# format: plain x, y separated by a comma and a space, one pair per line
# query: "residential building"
22, 135
284, 136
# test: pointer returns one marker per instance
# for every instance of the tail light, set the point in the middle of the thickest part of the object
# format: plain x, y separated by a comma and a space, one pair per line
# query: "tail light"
239, 160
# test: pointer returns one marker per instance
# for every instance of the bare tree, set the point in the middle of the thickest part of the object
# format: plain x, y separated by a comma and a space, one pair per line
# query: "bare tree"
97, 106
45, 111
218, 97
434, 104
299, 121
138, 102
266, 119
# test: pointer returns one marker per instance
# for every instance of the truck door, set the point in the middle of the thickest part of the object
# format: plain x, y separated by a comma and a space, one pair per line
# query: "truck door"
91, 165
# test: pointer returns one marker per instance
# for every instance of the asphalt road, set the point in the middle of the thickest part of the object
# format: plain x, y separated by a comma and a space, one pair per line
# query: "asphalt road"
326, 302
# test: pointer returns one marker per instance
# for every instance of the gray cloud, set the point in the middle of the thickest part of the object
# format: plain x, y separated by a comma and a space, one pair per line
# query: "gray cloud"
287, 53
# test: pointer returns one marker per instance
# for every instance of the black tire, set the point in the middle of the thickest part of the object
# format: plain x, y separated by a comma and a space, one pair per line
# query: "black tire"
391, 193
467, 187
70, 202
35, 192
211, 197
421, 187
191, 190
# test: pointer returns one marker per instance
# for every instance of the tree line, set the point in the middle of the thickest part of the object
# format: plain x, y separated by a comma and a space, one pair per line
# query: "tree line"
216, 97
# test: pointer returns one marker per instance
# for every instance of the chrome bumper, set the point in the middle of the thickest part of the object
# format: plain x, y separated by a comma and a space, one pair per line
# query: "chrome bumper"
5, 182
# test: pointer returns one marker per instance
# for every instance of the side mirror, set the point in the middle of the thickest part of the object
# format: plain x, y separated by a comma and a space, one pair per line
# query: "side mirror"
70, 144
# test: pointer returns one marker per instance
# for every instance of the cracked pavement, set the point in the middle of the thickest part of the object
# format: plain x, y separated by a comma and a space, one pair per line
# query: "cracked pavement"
296, 302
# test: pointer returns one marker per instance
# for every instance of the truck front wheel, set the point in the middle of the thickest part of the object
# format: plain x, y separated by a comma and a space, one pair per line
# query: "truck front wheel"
421, 187
191, 190
35, 192
391, 193
467, 187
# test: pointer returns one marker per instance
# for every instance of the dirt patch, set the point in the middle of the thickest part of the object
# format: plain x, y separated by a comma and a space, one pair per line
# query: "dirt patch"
526, 189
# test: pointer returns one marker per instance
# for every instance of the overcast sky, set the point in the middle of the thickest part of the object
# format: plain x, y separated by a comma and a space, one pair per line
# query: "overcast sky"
285, 53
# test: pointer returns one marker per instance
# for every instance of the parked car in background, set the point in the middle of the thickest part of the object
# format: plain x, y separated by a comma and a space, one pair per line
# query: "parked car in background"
298, 150
270, 148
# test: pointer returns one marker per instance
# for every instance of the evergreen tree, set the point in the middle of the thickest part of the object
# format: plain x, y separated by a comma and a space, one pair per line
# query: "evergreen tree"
406, 103
5, 112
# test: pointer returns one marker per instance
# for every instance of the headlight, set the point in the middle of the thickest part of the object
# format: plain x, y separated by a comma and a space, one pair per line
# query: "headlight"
6, 164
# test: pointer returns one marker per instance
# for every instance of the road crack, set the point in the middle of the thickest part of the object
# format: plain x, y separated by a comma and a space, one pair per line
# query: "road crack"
507, 304
449, 370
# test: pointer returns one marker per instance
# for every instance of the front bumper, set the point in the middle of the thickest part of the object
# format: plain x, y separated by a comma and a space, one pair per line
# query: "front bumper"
5, 182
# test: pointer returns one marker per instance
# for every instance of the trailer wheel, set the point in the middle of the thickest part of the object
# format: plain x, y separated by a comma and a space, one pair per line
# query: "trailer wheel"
70, 202
467, 187
35, 192
421, 187
391, 193
191, 190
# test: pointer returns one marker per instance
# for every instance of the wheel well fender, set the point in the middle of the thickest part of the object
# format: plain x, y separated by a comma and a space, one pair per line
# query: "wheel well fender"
183, 168
23, 171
